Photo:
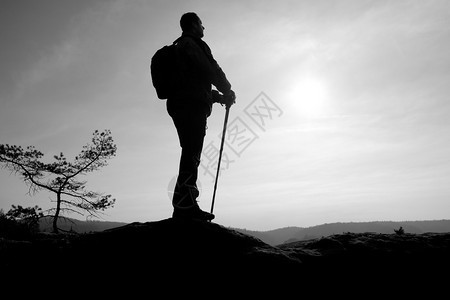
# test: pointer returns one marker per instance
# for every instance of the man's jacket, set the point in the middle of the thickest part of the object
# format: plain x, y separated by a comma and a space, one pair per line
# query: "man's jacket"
199, 70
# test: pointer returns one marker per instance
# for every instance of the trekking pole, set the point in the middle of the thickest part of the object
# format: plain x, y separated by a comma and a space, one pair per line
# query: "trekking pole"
227, 112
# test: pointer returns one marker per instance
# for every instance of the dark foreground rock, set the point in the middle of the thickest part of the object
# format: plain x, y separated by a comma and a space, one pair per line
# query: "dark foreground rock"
174, 244
194, 253
166, 251
374, 257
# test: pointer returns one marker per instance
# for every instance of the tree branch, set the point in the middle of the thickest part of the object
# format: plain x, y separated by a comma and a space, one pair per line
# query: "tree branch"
92, 160
28, 175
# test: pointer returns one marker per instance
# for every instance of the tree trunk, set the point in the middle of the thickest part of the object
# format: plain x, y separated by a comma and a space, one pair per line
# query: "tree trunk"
55, 217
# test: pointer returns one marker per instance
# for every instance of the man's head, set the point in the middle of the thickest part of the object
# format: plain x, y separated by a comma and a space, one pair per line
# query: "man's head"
191, 23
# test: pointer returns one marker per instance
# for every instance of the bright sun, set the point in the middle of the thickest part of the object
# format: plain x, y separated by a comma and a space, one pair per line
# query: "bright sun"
309, 96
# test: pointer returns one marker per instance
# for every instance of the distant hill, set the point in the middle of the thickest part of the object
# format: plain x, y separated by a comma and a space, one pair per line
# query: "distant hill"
280, 235
273, 237
291, 234
79, 226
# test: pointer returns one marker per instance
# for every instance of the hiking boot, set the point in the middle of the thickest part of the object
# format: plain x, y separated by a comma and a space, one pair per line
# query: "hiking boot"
193, 212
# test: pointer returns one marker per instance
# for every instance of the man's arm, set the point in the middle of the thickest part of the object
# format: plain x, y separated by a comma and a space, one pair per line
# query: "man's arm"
208, 67
219, 79
197, 58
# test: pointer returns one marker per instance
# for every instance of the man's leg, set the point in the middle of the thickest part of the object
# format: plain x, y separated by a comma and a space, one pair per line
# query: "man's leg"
191, 128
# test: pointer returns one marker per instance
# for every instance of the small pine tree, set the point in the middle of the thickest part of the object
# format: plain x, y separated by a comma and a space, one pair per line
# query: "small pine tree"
400, 231
61, 177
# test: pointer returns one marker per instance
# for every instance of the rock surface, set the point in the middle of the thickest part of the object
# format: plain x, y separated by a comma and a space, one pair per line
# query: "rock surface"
196, 253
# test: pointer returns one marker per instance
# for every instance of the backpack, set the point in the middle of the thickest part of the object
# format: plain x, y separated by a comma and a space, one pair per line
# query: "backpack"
165, 70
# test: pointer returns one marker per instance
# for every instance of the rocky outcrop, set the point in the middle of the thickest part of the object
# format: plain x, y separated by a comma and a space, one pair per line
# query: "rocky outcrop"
191, 253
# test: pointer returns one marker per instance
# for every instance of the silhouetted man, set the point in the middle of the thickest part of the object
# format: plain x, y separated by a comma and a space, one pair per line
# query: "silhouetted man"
189, 106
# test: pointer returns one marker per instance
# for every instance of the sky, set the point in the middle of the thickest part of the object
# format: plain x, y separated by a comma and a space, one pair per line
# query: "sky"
342, 113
